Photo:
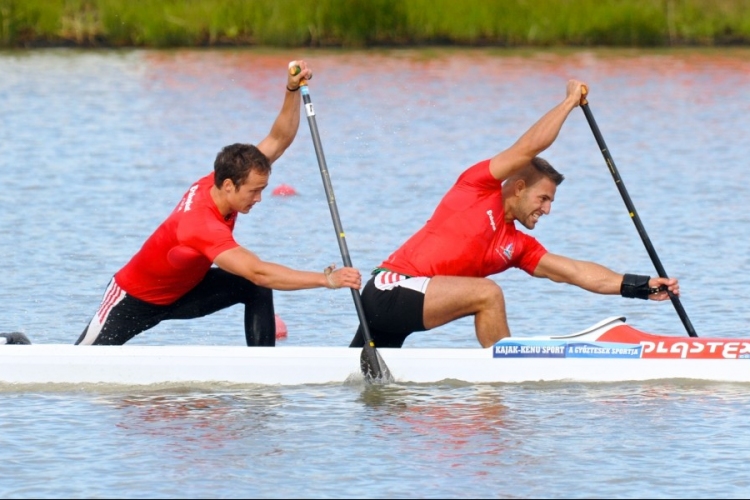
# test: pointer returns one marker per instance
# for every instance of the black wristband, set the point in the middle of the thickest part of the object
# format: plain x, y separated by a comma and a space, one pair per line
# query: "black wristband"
292, 90
636, 287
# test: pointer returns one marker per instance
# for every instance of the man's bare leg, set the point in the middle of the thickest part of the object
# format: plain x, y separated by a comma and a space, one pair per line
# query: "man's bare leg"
452, 297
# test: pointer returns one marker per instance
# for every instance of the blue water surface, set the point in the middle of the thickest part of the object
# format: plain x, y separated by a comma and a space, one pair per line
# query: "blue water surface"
97, 147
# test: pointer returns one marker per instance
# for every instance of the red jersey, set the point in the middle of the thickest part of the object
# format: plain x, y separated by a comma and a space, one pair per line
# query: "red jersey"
180, 252
467, 234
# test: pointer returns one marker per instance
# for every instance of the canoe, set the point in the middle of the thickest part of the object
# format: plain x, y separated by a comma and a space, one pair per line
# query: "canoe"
609, 351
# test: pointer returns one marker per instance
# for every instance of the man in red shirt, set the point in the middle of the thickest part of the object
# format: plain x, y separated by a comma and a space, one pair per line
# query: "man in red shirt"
440, 273
191, 266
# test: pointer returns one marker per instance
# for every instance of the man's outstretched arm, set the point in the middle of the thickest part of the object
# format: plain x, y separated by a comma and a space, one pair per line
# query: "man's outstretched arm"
245, 263
599, 279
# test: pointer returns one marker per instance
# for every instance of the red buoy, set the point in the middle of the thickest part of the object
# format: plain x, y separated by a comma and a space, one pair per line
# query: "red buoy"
284, 190
281, 331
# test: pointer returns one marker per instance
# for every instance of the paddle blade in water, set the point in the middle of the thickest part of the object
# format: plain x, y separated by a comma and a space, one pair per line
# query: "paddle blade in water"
373, 367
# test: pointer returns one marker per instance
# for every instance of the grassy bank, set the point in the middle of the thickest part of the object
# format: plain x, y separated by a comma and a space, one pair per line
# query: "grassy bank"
364, 23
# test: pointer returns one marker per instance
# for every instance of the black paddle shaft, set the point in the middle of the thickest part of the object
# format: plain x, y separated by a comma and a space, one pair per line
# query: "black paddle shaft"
634, 215
372, 364
340, 236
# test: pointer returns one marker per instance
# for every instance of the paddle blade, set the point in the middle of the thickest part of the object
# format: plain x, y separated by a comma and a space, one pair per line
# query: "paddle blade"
14, 338
373, 366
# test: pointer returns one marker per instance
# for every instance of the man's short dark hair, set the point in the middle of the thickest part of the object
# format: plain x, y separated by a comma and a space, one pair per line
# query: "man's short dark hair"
538, 168
236, 161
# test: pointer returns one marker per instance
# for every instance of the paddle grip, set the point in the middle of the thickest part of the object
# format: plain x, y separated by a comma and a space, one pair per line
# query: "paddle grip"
294, 70
584, 93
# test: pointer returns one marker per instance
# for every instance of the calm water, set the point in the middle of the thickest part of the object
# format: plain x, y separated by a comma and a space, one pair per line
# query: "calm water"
97, 148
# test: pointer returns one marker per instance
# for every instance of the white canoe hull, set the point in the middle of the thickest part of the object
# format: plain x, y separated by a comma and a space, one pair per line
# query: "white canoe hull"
143, 365
658, 357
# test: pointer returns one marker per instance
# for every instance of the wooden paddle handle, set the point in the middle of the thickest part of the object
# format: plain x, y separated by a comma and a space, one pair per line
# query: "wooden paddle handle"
294, 70
584, 93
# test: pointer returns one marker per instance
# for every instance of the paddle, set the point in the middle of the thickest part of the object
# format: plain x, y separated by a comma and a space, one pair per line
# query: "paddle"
631, 210
373, 367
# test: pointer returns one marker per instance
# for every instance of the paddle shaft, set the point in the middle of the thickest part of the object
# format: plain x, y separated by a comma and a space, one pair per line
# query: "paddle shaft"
340, 235
634, 214
373, 366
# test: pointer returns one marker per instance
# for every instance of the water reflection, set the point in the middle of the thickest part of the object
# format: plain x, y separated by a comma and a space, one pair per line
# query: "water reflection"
192, 421
446, 423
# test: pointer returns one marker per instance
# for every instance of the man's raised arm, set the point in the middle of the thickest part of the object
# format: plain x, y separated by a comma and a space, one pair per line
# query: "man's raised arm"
284, 128
539, 137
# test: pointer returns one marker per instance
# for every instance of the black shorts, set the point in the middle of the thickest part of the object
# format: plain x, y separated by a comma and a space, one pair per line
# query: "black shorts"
392, 315
121, 316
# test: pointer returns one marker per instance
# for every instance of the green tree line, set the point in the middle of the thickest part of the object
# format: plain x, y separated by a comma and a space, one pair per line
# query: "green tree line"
369, 23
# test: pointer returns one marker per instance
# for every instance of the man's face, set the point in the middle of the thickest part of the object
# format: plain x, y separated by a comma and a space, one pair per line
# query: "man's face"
249, 193
535, 201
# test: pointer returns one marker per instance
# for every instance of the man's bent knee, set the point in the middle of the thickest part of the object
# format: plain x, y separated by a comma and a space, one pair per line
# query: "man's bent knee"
490, 294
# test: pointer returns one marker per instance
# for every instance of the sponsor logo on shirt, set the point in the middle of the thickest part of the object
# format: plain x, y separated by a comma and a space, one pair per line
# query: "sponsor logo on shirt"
191, 194
492, 220
506, 253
